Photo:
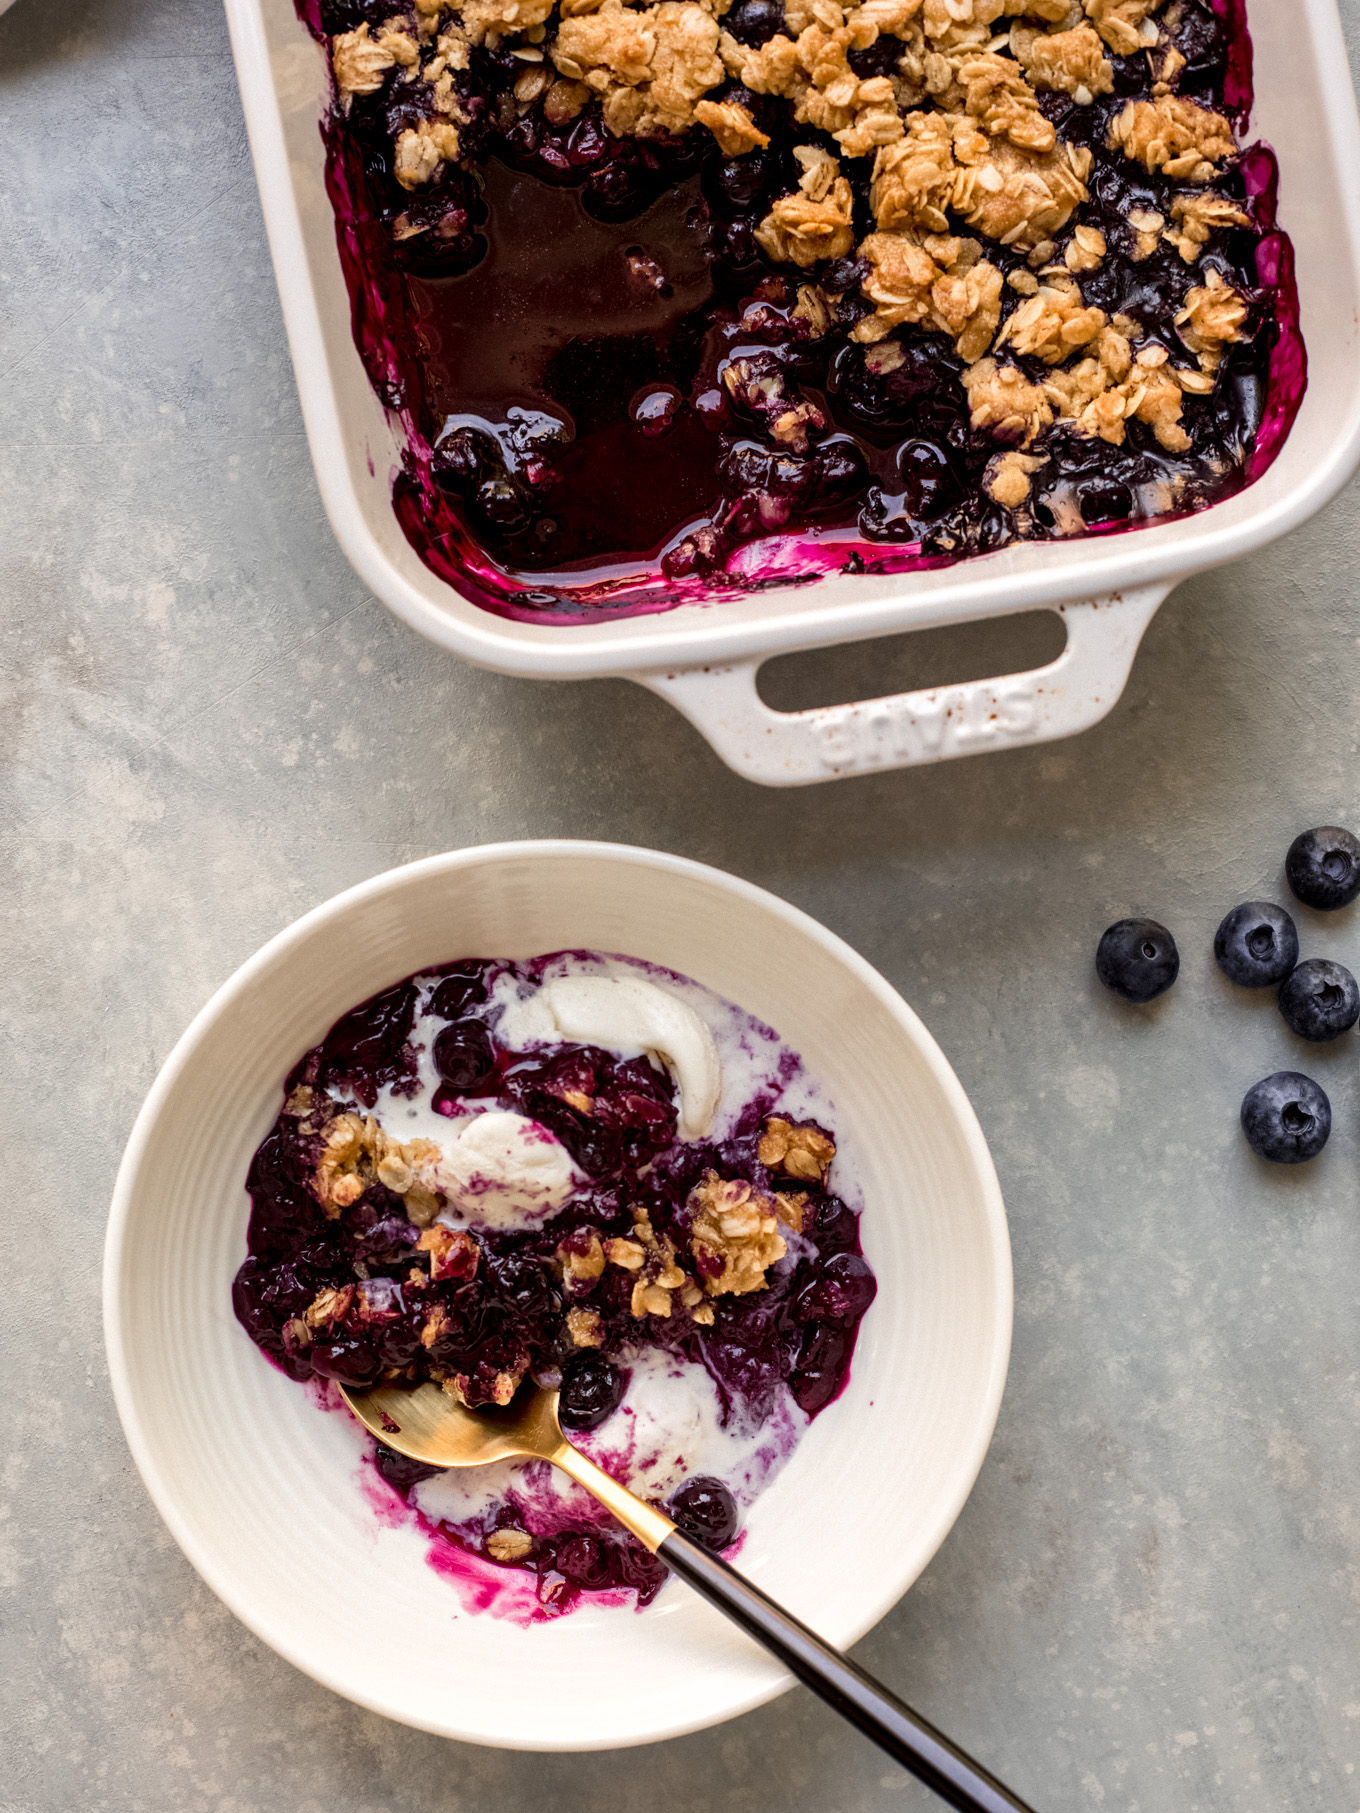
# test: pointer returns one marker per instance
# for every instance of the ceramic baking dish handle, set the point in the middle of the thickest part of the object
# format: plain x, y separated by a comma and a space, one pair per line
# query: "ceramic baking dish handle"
795, 748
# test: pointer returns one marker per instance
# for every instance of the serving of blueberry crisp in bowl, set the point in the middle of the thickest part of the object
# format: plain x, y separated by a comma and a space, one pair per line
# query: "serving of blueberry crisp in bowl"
406, 1145
661, 290
581, 1172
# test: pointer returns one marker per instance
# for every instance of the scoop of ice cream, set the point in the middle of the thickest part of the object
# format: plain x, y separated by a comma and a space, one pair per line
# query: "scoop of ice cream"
626, 1013
504, 1169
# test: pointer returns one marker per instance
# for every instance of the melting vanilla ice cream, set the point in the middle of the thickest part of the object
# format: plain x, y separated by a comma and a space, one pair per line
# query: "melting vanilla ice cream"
624, 1013
670, 1425
500, 1169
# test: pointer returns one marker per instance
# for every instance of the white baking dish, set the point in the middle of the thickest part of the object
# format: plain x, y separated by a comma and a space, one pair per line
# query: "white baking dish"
704, 658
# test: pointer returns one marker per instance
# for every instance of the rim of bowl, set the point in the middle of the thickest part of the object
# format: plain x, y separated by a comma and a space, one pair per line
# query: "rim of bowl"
220, 1578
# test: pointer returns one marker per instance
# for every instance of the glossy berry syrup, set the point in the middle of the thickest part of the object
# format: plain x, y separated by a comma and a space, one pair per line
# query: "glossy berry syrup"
554, 351
769, 1360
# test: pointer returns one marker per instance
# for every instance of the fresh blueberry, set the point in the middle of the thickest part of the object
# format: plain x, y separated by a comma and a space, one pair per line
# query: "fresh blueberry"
1138, 959
706, 1511
1257, 944
365, 1047
1323, 867
519, 1280
1286, 1118
1320, 1000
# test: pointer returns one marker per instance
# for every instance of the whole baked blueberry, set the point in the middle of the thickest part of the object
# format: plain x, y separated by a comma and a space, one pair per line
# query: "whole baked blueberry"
1138, 959
584, 1560
706, 1511
755, 22
1257, 944
592, 1390
463, 987
1320, 1000
1286, 1118
463, 1054
1323, 867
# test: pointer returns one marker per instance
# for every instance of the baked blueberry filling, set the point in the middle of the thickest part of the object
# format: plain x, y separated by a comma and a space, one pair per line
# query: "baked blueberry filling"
457, 1189
682, 299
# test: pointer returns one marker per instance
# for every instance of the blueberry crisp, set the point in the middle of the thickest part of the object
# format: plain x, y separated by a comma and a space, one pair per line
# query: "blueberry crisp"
680, 299
581, 1171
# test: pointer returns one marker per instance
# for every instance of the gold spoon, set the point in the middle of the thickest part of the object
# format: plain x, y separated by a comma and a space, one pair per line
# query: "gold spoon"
427, 1425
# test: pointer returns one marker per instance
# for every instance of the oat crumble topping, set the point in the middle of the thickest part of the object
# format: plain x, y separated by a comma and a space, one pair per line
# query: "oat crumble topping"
459, 1387
453, 1253
1211, 319
586, 1327
1053, 323
1070, 61
509, 1545
734, 1235
360, 62
1199, 216
357, 1152
1125, 25
795, 1149
582, 1259
1178, 138
1085, 250
1003, 403
1008, 477
328, 1307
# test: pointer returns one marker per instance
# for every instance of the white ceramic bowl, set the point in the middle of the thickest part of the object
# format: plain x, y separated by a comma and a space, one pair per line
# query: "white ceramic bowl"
705, 658
259, 1486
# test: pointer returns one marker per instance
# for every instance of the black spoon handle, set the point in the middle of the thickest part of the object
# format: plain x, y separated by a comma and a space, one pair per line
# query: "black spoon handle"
881, 1716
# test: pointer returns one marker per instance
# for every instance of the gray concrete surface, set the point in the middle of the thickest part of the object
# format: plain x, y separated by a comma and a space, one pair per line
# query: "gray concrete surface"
1152, 1600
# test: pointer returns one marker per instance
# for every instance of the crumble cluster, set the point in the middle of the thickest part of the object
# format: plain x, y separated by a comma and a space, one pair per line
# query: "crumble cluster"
733, 1239
357, 1153
954, 134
